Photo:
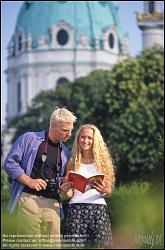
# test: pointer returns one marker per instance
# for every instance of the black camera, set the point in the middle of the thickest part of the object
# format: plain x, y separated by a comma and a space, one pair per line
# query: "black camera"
52, 185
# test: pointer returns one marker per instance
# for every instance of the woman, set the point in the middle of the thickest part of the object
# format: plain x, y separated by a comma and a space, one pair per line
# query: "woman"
87, 220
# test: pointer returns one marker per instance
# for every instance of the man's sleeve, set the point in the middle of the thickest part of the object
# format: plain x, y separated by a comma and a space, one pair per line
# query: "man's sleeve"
13, 162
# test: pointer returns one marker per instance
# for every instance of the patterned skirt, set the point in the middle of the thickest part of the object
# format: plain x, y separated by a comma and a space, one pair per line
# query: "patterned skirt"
88, 226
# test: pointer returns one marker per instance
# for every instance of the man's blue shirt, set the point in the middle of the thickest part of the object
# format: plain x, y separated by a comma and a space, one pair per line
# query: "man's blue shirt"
20, 161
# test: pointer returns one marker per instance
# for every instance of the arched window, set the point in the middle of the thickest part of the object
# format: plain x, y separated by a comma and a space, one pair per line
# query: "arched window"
62, 80
28, 4
19, 97
19, 42
13, 50
62, 37
151, 6
111, 40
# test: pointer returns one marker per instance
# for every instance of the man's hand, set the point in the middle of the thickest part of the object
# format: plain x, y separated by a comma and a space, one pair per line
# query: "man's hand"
37, 184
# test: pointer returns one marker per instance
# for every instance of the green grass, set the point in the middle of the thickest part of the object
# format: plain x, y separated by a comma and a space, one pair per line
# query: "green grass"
136, 212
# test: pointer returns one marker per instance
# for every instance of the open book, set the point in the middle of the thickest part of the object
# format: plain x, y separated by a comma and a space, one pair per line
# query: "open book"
80, 182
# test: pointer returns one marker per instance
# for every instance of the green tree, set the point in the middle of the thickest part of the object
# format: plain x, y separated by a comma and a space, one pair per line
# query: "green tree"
138, 100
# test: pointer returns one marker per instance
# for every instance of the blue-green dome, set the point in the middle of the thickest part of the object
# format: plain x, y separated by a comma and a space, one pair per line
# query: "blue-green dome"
89, 18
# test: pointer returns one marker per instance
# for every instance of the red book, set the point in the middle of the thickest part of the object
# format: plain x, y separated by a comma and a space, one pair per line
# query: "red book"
80, 182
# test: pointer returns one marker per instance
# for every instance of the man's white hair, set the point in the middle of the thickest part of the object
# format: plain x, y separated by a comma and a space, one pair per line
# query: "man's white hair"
62, 115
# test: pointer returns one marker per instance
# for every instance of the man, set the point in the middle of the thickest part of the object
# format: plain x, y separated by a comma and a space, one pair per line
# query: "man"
35, 164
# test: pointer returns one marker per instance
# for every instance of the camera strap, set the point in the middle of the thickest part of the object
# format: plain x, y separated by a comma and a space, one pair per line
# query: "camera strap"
44, 155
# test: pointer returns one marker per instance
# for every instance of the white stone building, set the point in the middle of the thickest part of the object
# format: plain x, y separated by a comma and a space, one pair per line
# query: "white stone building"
151, 23
58, 41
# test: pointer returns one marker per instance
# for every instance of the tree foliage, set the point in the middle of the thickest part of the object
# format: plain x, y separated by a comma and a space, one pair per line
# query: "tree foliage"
126, 104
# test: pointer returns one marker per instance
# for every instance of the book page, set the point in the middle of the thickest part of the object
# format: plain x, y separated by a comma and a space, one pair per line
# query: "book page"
96, 178
80, 182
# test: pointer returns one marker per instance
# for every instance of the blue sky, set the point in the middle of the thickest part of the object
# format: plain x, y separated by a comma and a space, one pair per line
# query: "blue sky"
9, 12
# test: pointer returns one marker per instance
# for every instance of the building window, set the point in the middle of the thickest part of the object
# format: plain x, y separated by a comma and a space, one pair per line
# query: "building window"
62, 37
19, 96
19, 43
62, 80
111, 41
28, 4
151, 6
13, 50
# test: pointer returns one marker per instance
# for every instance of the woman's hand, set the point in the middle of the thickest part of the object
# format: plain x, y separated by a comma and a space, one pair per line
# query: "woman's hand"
99, 185
66, 188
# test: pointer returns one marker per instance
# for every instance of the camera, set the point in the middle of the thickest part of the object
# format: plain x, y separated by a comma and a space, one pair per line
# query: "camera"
52, 185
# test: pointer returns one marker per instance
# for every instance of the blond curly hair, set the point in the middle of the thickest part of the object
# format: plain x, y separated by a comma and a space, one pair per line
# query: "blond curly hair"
102, 158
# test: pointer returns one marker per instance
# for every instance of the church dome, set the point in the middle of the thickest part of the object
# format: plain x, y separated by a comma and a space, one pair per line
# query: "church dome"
88, 19
55, 42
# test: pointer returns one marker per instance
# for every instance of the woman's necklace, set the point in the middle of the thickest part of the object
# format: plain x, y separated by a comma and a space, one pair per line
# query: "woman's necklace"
87, 160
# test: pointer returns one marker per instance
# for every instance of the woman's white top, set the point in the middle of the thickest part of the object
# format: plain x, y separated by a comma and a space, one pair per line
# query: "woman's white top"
91, 195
